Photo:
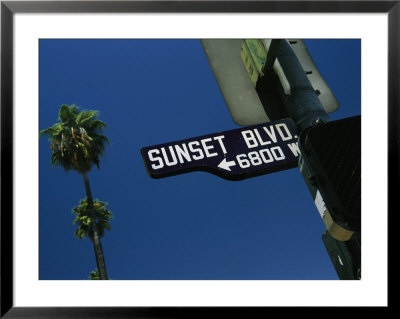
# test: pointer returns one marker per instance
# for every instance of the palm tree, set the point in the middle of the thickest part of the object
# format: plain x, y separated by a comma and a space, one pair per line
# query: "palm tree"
77, 142
94, 275
85, 222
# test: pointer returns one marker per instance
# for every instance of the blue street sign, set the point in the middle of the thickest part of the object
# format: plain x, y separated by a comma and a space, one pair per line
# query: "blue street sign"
234, 155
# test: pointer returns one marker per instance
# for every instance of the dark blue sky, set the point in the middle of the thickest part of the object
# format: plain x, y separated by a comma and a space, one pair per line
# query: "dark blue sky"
191, 226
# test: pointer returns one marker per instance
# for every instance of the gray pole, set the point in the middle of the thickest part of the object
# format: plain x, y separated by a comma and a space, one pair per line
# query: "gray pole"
303, 106
301, 103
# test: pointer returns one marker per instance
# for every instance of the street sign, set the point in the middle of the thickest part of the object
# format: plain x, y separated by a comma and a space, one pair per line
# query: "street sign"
234, 155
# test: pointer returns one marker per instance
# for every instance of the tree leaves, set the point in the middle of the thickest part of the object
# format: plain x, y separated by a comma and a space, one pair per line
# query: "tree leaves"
67, 114
76, 141
94, 275
85, 222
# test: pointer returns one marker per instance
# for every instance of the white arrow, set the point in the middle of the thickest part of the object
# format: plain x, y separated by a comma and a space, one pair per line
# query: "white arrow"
226, 165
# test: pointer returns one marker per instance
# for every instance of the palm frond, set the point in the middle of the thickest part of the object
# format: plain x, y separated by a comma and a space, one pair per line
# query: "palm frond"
68, 113
86, 116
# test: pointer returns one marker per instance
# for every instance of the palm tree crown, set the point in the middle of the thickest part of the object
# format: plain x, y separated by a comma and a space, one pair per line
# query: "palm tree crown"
76, 141
94, 275
85, 222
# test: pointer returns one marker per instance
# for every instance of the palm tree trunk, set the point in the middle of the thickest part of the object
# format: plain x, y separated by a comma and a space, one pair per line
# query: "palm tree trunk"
98, 249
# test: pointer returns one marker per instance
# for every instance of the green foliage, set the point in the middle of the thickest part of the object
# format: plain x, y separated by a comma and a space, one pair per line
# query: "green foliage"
76, 140
84, 221
94, 275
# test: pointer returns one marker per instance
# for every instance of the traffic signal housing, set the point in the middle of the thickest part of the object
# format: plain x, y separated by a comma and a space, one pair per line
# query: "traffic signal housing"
330, 163
345, 256
252, 80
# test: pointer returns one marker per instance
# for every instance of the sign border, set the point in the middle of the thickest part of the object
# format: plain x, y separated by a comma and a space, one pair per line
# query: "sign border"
244, 174
9, 8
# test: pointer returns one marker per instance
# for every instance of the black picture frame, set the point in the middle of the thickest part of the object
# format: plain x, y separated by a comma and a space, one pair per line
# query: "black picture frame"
9, 8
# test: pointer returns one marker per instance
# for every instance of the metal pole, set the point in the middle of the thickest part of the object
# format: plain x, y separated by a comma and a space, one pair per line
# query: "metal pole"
300, 99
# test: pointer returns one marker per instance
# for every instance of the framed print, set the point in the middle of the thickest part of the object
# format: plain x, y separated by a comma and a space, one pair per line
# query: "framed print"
133, 186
